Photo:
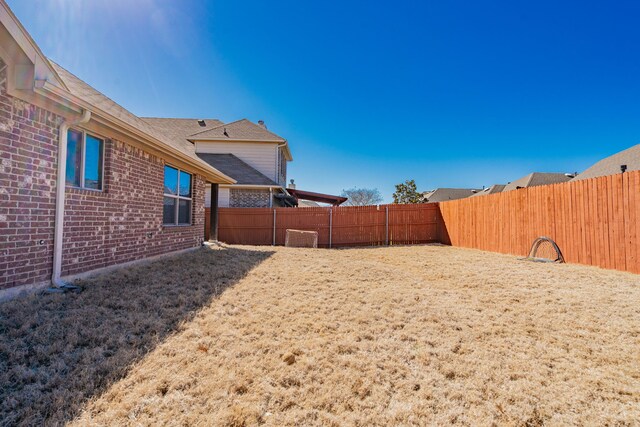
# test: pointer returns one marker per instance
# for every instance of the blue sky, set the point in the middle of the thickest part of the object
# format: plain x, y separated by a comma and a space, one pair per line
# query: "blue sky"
449, 93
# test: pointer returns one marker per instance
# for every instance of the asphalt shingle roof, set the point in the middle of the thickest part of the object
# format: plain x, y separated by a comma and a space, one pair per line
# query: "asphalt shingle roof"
496, 188
537, 178
243, 130
179, 128
611, 164
444, 194
237, 169
82, 90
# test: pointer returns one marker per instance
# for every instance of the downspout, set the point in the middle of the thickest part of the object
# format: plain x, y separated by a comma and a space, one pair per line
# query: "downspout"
60, 195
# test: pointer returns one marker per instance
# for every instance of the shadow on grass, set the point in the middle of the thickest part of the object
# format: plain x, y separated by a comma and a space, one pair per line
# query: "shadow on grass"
58, 351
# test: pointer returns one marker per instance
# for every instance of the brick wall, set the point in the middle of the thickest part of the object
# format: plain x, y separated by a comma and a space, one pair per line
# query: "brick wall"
120, 224
124, 222
28, 152
246, 198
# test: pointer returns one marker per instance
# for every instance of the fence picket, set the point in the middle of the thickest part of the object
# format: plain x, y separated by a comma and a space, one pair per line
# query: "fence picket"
594, 221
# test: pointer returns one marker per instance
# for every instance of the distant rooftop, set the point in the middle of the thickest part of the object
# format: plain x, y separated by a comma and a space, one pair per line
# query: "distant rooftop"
611, 165
496, 188
537, 178
444, 194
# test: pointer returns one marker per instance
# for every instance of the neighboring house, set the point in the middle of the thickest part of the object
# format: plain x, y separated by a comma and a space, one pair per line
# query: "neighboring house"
537, 178
299, 196
84, 183
629, 158
249, 153
444, 194
308, 204
496, 188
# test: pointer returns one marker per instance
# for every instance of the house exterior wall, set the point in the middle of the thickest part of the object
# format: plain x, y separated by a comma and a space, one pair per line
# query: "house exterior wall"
124, 222
260, 156
28, 150
249, 198
119, 224
223, 197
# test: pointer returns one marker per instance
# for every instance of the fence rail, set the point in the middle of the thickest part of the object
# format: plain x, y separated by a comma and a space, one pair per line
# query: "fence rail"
336, 226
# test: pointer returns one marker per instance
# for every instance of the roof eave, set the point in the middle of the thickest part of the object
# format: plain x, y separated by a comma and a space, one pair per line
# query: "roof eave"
264, 186
217, 139
285, 143
69, 100
25, 41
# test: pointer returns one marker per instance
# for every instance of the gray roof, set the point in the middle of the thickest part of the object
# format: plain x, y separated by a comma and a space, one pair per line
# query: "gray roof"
242, 130
179, 128
537, 178
236, 169
611, 164
444, 194
91, 96
496, 188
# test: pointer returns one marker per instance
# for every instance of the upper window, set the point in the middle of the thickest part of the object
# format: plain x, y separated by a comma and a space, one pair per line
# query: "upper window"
177, 197
84, 160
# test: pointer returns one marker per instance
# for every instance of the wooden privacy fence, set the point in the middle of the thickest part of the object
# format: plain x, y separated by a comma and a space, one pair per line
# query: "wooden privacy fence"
336, 226
594, 221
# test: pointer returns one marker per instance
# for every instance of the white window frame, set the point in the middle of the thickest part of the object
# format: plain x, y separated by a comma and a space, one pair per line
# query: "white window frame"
83, 157
178, 197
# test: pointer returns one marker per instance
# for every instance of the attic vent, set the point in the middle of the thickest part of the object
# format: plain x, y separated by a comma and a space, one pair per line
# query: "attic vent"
202, 123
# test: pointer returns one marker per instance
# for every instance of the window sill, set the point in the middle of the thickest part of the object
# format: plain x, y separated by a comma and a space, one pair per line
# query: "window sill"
82, 189
176, 226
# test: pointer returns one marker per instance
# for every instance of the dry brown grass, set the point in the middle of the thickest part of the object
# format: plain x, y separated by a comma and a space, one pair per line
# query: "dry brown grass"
57, 351
385, 336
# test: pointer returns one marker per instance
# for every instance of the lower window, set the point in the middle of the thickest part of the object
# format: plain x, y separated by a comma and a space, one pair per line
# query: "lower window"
85, 155
176, 209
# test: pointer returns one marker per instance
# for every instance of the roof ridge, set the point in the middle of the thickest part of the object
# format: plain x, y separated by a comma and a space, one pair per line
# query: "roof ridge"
531, 175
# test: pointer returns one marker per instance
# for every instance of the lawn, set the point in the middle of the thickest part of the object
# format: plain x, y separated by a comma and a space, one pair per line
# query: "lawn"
377, 336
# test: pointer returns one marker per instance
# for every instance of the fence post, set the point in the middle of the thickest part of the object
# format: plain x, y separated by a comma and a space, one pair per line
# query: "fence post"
330, 225
386, 225
274, 227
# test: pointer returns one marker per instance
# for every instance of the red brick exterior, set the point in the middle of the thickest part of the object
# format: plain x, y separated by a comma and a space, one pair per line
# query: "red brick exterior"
28, 149
101, 228
124, 221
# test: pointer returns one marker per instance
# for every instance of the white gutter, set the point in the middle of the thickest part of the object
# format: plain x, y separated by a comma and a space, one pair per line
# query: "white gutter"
249, 186
45, 88
60, 196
